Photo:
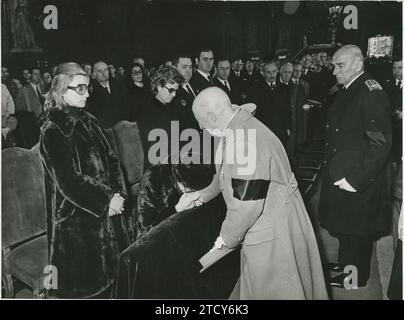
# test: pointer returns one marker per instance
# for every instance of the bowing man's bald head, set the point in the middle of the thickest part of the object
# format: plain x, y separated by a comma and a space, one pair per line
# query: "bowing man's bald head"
212, 108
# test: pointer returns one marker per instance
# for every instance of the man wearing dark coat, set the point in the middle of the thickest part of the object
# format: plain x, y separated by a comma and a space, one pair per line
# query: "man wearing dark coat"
108, 100
394, 89
358, 142
273, 105
299, 91
202, 79
225, 82
185, 94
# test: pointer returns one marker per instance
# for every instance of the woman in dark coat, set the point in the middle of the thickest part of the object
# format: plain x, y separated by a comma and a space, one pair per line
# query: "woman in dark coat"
159, 113
85, 191
138, 90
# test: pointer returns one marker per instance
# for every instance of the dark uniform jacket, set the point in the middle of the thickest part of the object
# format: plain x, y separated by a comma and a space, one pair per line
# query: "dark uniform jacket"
357, 148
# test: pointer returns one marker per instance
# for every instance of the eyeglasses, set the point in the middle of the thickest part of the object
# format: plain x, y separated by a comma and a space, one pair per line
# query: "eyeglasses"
171, 90
80, 89
137, 73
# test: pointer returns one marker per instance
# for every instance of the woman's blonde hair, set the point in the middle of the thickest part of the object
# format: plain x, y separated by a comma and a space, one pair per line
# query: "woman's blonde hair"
65, 73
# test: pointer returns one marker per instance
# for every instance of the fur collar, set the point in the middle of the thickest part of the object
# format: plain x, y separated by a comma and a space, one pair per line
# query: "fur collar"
67, 118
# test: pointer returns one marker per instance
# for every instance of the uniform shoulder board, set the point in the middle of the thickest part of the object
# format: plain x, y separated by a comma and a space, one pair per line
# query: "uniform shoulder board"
373, 85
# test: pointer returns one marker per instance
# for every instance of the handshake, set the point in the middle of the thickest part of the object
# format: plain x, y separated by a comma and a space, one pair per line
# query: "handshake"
116, 206
188, 201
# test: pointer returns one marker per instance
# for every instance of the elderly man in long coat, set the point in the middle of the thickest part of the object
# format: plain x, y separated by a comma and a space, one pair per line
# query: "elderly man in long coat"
265, 211
352, 200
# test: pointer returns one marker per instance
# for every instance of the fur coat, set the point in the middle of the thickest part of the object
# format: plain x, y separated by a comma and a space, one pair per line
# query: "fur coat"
82, 175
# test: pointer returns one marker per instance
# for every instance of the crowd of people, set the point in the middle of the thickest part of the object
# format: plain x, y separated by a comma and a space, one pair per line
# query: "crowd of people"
121, 93
292, 99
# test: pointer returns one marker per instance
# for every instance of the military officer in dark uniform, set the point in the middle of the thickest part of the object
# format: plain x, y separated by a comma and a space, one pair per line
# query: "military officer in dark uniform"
352, 206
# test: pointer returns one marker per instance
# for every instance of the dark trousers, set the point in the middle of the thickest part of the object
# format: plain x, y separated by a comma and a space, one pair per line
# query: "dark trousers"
356, 251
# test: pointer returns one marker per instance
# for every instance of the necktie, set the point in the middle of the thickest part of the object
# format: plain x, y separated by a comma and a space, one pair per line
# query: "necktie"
227, 85
399, 83
106, 89
209, 79
189, 90
38, 91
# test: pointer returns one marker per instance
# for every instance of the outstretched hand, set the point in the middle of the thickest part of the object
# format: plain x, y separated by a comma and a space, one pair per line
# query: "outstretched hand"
188, 201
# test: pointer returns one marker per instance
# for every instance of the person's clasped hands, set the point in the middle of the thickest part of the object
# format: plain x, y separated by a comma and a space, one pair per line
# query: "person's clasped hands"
116, 206
188, 201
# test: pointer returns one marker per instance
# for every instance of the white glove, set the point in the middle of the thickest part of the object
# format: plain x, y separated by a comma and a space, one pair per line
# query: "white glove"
116, 206
344, 185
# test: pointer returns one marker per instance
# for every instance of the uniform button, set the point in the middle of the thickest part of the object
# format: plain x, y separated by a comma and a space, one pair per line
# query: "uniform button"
326, 144
336, 130
327, 126
325, 161
372, 180
373, 120
334, 150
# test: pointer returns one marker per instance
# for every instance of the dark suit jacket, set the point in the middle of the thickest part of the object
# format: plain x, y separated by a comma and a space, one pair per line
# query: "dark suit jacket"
198, 82
248, 83
234, 92
396, 101
111, 108
183, 103
298, 97
273, 108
